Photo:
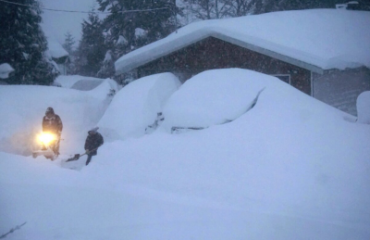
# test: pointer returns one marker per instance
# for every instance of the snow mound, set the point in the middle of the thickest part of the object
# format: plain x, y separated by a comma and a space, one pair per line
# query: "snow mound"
86, 85
363, 107
81, 82
90, 84
69, 80
290, 168
104, 91
220, 96
136, 106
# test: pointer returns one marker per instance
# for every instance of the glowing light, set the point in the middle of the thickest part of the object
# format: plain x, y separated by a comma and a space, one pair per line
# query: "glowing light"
46, 138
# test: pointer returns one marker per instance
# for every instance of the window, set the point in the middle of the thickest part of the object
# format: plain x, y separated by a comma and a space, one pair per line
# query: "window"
283, 77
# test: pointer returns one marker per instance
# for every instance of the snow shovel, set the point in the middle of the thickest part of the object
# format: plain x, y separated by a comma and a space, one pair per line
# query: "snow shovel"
77, 156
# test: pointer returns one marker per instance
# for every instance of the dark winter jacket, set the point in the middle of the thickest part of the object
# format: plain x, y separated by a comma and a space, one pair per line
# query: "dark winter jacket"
93, 141
52, 124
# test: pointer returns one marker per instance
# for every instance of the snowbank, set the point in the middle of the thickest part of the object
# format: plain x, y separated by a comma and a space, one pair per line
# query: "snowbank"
67, 81
363, 107
82, 83
225, 99
220, 96
89, 84
136, 106
289, 168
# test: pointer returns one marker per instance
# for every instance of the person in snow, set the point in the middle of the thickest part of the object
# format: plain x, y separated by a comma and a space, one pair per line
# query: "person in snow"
93, 141
52, 123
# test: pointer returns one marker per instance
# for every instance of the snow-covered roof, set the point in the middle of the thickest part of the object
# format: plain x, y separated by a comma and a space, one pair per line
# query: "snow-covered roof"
315, 39
55, 48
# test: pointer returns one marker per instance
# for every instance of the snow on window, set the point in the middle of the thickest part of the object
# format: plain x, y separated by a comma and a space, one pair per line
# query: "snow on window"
283, 77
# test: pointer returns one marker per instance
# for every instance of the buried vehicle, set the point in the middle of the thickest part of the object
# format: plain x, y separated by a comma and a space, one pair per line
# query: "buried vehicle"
48, 142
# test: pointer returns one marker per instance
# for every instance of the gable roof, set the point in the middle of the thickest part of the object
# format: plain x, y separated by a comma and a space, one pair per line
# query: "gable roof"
55, 49
316, 39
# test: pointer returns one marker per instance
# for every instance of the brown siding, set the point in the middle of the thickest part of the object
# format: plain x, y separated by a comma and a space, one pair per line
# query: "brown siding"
341, 88
212, 53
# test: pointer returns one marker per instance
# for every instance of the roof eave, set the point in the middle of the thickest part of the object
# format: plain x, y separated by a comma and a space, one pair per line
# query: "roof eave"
269, 53
179, 45
176, 45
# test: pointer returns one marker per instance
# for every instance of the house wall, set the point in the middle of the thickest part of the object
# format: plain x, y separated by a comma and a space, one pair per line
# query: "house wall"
62, 64
341, 88
62, 68
212, 53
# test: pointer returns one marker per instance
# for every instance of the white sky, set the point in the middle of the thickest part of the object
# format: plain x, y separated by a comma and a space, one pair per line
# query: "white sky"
57, 24
290, 168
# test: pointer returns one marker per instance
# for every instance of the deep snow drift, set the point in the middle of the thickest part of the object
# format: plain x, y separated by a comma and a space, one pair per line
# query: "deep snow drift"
136, 106
290, 167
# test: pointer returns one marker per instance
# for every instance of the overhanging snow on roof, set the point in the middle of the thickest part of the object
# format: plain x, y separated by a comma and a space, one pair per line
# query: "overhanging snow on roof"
316, 40
142, 56
161, 52
56, 50
269, 53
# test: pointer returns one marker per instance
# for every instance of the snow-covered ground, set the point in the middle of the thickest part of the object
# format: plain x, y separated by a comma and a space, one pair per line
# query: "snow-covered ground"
290, 167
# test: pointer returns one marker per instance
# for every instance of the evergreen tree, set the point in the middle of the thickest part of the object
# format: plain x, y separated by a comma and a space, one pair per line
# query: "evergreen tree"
212, 9
264, 6
107, 69
69, 43
156, 18
91, 49
23, 43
